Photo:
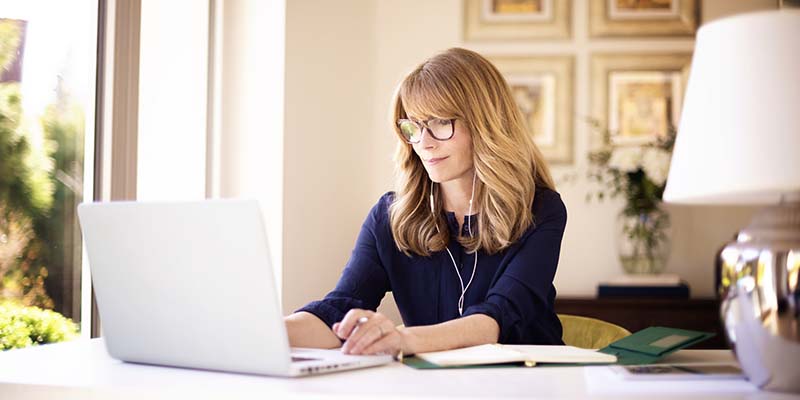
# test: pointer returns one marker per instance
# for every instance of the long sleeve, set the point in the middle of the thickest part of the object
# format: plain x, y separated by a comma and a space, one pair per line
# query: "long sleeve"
364, 281
522, 294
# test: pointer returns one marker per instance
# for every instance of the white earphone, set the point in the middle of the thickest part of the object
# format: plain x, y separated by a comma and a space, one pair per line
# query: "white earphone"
455, 266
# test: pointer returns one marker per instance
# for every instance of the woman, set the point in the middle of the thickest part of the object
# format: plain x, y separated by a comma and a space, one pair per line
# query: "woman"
469, 241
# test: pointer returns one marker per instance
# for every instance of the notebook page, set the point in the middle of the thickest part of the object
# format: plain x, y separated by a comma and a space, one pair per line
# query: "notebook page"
562, 354
475, 355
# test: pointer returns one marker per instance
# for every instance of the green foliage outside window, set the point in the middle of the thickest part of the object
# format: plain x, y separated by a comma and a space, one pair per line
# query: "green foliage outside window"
40, 186
22, 326
26, 192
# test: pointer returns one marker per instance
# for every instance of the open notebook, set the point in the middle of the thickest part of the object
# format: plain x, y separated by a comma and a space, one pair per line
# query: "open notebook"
488, 354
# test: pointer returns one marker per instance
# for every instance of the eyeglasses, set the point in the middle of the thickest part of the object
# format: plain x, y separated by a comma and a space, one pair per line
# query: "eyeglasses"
439, 129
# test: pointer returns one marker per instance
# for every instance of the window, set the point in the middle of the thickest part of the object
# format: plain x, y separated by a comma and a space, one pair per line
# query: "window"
47, 103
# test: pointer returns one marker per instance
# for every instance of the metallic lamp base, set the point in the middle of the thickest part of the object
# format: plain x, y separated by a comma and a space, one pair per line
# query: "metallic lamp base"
760, 287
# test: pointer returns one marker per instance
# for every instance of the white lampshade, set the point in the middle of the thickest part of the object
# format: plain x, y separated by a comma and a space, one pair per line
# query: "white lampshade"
739, 135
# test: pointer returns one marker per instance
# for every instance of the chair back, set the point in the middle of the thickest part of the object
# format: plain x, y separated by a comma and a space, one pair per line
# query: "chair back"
589, 333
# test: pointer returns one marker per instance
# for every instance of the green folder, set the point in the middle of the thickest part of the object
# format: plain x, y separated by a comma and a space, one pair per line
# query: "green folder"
650, 345
644, 347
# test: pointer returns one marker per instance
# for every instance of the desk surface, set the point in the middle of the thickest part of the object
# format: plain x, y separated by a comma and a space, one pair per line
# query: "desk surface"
83, 369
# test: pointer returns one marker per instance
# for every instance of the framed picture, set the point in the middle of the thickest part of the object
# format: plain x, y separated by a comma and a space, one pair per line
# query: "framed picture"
638, 97
542, 88
516, 19
643, 17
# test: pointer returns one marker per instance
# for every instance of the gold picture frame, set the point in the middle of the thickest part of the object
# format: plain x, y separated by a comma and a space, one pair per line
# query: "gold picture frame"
643, 17
516, 19
542, 88
638, 97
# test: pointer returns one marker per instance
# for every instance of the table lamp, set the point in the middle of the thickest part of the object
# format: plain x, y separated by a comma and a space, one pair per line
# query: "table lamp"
739, 143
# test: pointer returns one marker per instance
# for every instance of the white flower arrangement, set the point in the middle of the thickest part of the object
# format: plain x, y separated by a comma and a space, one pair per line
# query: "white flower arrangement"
626, 159
653, 161
637, 172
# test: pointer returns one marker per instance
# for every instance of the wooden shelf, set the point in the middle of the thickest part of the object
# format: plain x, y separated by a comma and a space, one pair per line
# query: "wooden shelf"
636, 313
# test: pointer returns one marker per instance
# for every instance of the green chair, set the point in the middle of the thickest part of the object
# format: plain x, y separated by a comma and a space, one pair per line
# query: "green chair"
589, 333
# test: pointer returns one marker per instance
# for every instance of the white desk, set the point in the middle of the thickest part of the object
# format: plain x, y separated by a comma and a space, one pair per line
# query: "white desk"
83, 369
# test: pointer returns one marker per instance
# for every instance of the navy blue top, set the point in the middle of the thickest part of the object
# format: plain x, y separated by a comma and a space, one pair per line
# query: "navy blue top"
513, 286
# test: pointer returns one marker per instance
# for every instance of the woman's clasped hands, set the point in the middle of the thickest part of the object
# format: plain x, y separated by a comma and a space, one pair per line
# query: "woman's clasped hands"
368, 332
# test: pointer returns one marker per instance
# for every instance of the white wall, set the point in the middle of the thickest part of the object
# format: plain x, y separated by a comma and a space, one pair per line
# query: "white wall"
303, 126
250, 110
330, 64
343, 61
172, 100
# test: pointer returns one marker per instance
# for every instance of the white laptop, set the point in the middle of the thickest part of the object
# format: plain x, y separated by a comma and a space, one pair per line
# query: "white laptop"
190, 284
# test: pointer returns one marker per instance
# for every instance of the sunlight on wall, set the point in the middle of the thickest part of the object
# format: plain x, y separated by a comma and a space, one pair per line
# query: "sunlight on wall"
172, 100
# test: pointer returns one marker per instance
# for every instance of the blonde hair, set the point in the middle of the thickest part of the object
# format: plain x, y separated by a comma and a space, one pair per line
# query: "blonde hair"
461, 84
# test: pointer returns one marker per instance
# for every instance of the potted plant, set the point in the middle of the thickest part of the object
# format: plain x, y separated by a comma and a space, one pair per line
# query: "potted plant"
638, 174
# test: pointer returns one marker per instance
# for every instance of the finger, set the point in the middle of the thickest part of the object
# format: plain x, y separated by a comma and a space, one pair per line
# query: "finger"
346, 323
364, 337
350, 321
389, 344
362, 329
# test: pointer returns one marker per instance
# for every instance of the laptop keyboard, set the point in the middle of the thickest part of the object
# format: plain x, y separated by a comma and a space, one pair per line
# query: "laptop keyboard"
298, 359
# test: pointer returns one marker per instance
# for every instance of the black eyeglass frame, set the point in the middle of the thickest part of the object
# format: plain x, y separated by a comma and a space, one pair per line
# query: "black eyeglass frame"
424, 124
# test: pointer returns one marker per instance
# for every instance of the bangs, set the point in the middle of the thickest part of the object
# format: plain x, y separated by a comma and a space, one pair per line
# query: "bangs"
426, 96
